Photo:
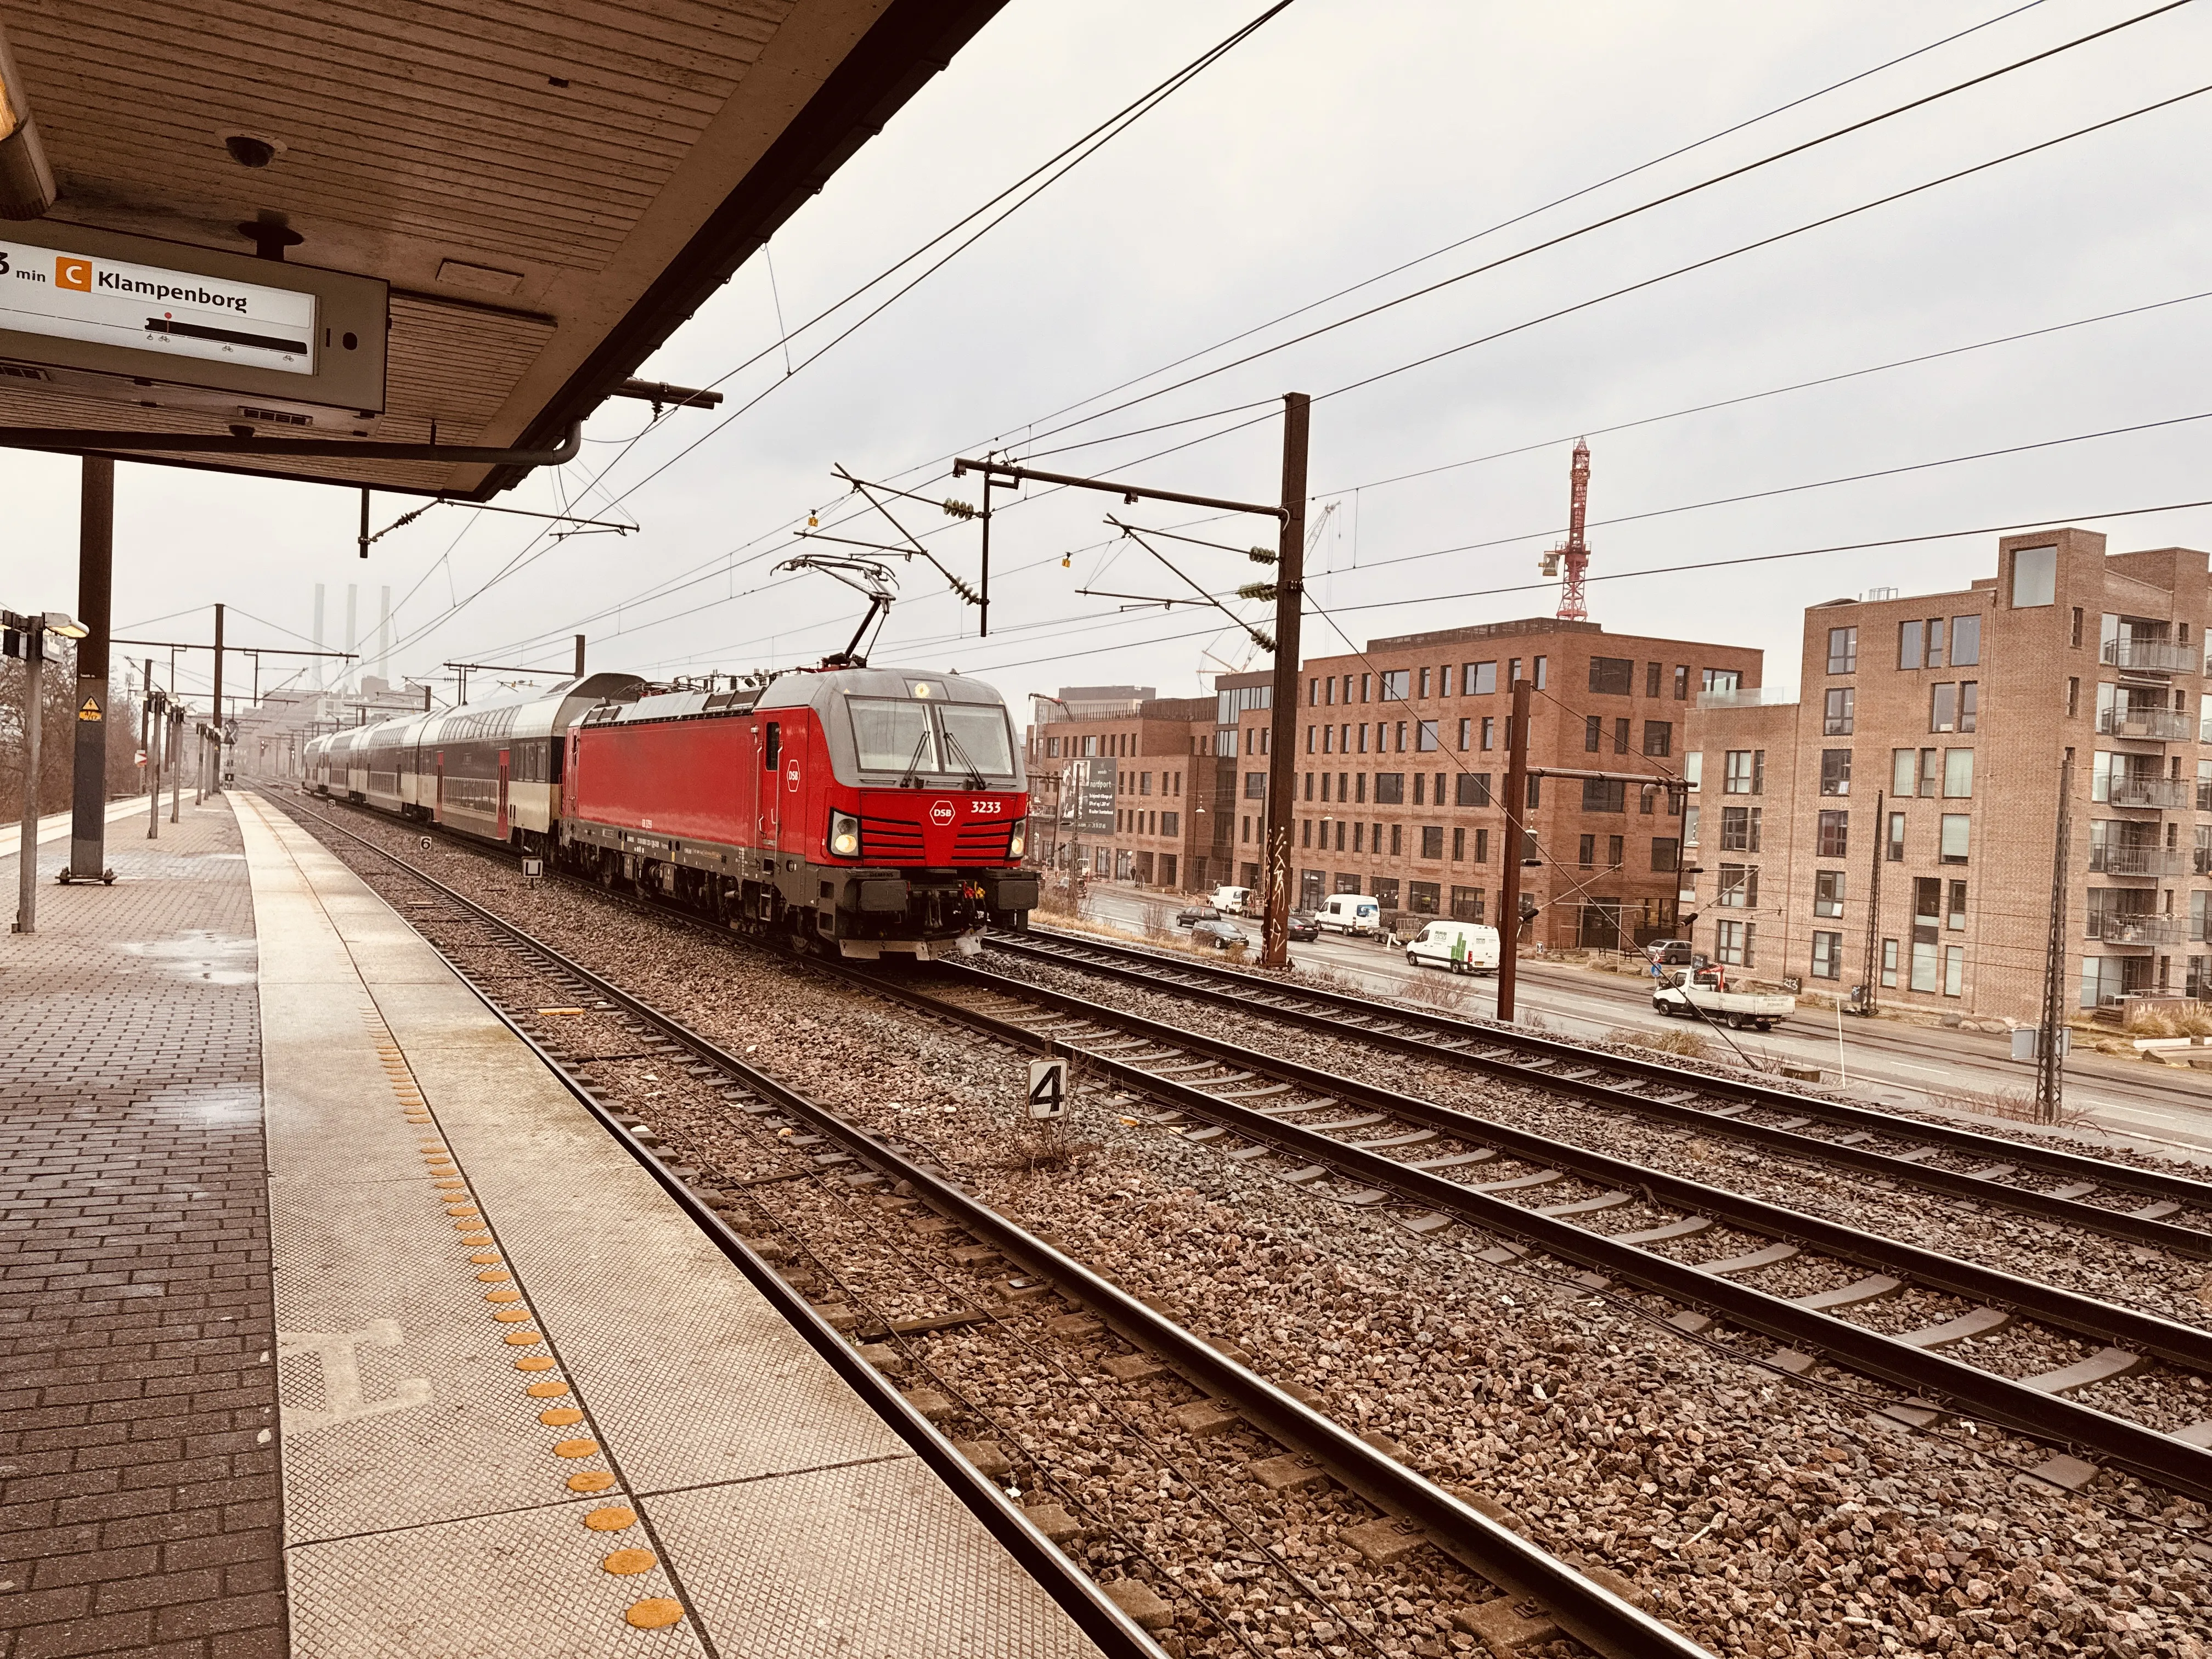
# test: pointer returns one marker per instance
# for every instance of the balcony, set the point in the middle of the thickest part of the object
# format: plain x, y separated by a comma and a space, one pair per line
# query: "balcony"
2124, 860
2150, 656
2125, 927
2166, 795
2146, 725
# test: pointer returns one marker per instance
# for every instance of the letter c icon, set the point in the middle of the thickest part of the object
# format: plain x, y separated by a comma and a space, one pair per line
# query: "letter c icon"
74, 274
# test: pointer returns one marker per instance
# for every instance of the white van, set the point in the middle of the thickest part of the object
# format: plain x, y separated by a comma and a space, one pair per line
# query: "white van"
1348, 913
1231, 901
1464, 947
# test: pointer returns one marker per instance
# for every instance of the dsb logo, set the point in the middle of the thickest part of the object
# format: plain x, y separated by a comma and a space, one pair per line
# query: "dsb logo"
941, 813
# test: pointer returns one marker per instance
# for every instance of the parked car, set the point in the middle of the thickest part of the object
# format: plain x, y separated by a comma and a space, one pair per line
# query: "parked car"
1705, 992
1670, 952
1231, 901
1223, 934
1463, 947
1303, 925
1191, 915
1349, 913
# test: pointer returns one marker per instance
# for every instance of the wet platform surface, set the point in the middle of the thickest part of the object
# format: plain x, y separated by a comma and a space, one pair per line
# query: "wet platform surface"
519, 1403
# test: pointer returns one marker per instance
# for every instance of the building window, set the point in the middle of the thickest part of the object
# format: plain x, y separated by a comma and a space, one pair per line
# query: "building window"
1471, 789
1386, 891
1466, 731
1969, 701
1593, 732
1482, 847
1425, 737
1732, 943
1421, 895
1612, 677
1923, 966
1943, 707
1745, 773
1256, 786
1489, 732
1958, 774
1666, 852
1425, 682
1954, 969
1895, 850
1828, 892
1603, 795
1652, 672
1433, 842
1889, 963
1956, 826
2076, 633
1397, 839
1541, 664
2034, 578
1828, 956
1459, 846
1616, 851
1832, 839
1835, 771
1955, 913
1930, 780
1659, 737
1586, 853
1681, 681
1836, 720
1466, 904
1479, 677
1396, 682
1722, 679
1690, 826
1965, 642
1389, 788
1842, 650
1620, 737
1739, 886
1903, 767
1740, 829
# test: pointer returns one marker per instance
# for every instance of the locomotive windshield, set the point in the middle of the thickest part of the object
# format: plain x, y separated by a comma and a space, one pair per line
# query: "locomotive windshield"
893, 735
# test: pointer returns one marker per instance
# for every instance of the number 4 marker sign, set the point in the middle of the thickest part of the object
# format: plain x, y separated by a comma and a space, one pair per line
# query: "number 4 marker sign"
1047, 1088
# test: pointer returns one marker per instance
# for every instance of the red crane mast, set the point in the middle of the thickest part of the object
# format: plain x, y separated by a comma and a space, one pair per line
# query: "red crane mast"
1571, 557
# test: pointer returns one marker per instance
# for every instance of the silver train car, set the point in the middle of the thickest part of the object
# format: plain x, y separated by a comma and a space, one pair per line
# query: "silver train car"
491, 770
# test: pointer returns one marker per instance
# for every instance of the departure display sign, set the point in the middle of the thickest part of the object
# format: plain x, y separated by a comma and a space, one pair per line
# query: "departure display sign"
1090, 786
179, 314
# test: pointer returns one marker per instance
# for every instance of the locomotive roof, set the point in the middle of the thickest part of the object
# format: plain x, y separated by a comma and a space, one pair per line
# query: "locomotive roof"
803, 689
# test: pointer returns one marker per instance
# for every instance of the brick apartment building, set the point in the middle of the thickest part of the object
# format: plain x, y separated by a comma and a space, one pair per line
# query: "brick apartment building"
1915, 784
1402, 764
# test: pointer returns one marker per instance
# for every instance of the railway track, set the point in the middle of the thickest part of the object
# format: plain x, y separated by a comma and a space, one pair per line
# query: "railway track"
1361, 1144
1057, 1300
2170, 1211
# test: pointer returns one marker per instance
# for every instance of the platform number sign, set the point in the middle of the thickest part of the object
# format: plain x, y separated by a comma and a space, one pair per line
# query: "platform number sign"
1047, 1088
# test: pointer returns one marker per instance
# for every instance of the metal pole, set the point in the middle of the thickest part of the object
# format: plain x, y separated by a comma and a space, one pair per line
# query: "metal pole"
2049, 1079
94, 584
27, 860
579, 656
176, 756
157, 737
1509, 890
1283, 725
215, 786
1874, 909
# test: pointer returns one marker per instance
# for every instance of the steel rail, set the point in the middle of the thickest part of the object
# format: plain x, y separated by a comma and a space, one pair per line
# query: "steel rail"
2162, 1459
1459, 1035
1591, 1613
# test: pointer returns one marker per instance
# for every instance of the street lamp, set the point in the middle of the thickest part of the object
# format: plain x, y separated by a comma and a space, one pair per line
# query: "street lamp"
25, 637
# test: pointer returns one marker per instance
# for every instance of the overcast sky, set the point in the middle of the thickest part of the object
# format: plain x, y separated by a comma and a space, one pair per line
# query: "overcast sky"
1343, 139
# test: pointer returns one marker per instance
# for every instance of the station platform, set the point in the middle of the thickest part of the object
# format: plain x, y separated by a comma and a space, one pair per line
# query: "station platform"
509, 1399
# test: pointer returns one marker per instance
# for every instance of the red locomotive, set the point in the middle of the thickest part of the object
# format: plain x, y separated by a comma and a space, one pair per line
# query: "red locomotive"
860, 809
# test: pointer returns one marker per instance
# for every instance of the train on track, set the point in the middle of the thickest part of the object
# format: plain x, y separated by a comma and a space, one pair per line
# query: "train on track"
860, 810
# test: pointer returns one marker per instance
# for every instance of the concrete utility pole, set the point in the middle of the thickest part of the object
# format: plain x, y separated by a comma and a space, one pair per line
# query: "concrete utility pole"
26, 861
1508, 890
95, 573
1283, 723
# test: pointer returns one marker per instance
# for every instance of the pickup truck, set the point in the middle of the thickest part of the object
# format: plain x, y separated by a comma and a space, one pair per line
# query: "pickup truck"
1706, 993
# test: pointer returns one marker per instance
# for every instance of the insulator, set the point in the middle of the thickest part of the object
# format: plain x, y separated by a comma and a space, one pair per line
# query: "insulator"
1262, 554
958, 510
1256, 591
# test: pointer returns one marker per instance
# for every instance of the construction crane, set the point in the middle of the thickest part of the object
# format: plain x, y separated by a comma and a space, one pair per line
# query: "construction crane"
1571, 557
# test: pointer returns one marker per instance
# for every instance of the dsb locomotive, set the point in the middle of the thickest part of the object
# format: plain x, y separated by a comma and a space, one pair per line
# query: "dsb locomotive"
863, 810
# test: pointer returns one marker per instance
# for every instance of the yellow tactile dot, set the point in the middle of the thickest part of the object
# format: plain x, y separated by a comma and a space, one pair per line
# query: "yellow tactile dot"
525, 1339
577, 1448
629, 1561
591, 1480
655, 1613
493, 1276
450, 1182
550, 1388
501, 1296
560, 1416
485, 1258
476, 1238
466, 1211
613, 1518
510, 1315
533, 1362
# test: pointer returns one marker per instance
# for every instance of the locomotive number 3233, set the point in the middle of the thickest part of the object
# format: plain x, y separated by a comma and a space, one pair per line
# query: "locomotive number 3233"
985, 808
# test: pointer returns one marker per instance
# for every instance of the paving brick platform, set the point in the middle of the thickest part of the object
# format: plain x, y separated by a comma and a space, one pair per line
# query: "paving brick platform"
140, 1504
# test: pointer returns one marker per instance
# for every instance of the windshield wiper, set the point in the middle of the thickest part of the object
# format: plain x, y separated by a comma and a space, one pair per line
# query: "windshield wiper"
912, 778
975, 778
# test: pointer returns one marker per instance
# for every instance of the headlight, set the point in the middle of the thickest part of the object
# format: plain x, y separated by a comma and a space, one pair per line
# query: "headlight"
844, 835
1014, 847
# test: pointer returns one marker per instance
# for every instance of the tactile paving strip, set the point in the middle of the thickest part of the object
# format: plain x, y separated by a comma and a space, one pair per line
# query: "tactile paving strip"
871, 1562
527, 1584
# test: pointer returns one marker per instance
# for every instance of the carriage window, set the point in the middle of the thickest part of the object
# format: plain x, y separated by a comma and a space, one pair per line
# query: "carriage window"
975, 734
771, 747
892, 735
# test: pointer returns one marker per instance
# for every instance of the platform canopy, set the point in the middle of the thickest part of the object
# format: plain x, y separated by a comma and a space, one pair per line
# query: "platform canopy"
538, 195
